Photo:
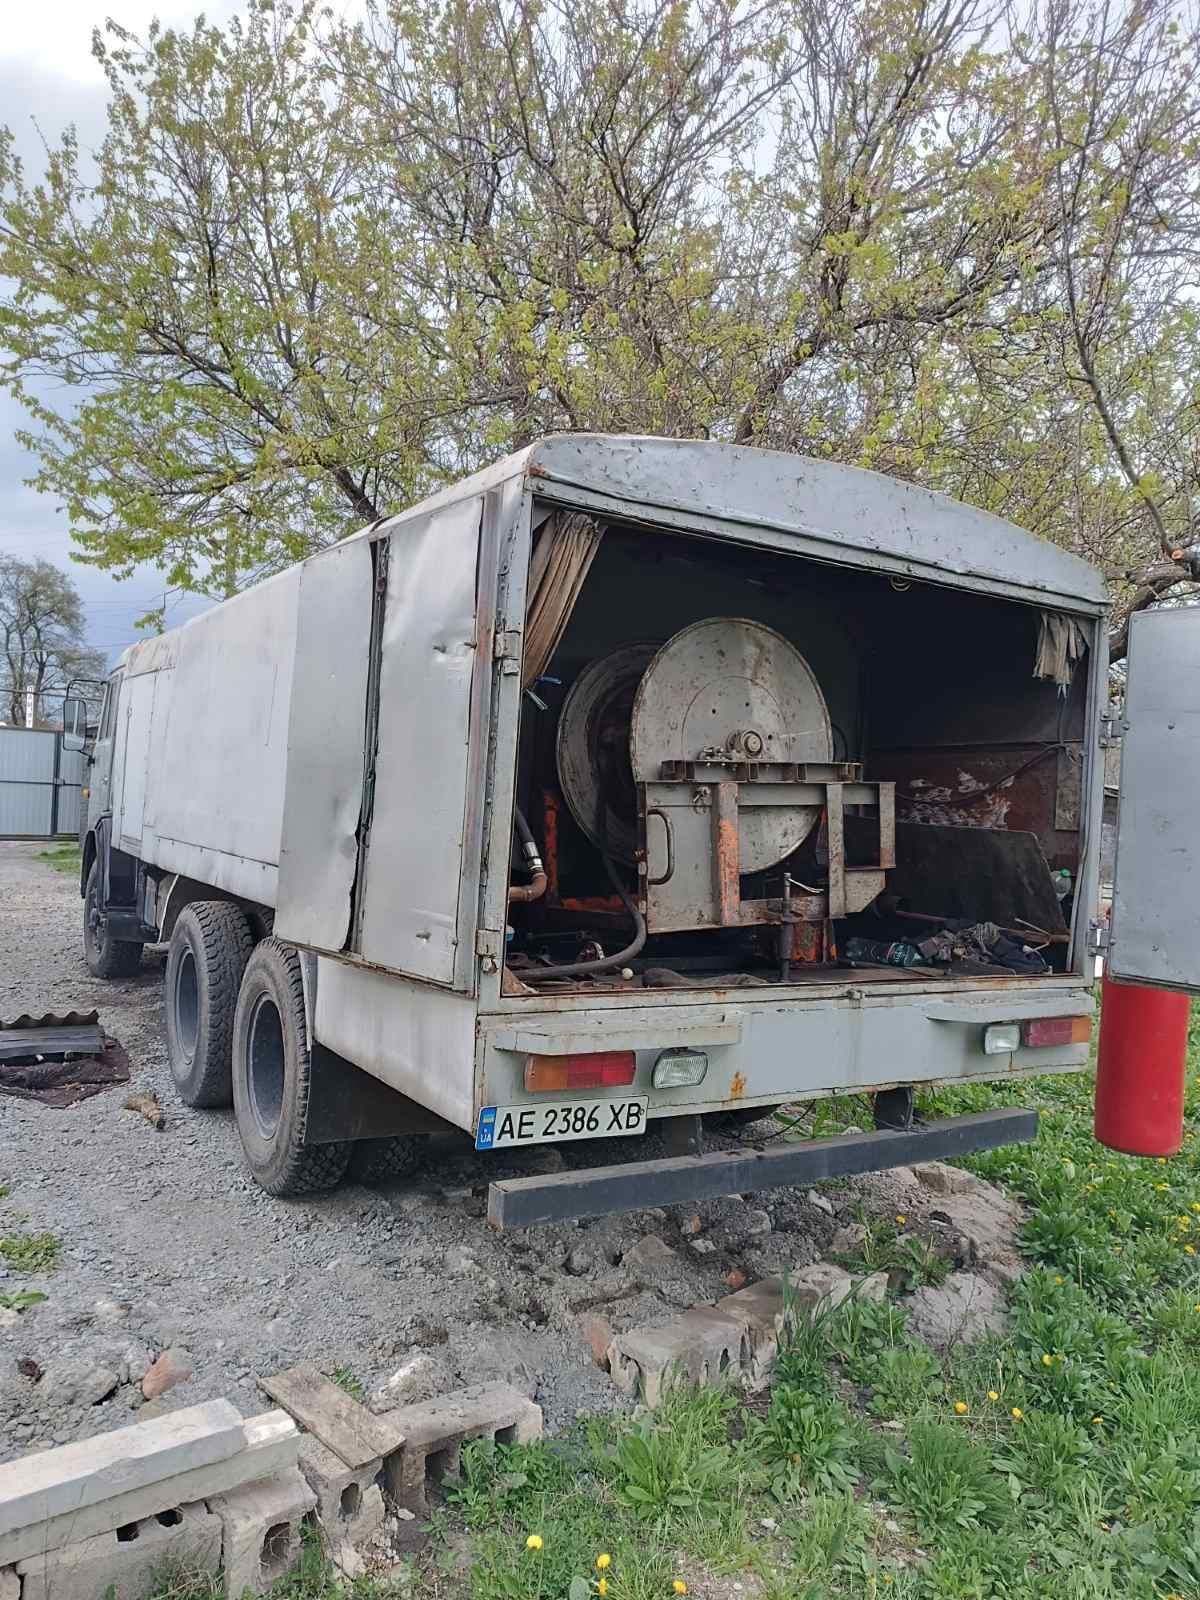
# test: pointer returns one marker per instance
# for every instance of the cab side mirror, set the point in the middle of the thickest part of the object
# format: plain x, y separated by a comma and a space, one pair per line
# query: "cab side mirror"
75, 724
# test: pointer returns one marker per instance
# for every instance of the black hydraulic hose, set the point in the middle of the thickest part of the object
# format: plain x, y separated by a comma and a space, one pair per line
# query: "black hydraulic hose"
533, 860
573, 969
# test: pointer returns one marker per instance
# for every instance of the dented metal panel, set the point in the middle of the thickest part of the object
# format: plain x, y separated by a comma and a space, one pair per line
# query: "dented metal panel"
1156, 890
427, 668
325, 761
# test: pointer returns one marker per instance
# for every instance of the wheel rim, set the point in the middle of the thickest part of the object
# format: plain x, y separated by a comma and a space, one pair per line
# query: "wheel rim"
93, 922
266, 1065
187, 1004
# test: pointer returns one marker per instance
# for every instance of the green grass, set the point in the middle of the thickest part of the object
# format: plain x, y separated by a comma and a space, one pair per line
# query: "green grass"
346, 1378
63, 858
30, 1252
1061, 1462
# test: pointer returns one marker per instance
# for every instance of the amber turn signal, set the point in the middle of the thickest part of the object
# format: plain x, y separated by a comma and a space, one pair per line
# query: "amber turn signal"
603, 1069
1041, 1032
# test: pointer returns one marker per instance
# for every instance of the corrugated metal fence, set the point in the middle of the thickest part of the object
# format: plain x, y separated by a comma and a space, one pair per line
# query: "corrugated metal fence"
39, 784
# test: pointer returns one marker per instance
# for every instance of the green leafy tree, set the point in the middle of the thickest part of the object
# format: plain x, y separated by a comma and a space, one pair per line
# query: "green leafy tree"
322, 265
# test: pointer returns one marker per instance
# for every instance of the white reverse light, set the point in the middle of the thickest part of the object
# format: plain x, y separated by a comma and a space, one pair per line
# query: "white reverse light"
676, 1068
1001, 1038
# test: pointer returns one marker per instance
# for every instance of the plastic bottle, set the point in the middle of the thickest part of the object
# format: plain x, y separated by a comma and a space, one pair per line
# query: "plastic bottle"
896, 954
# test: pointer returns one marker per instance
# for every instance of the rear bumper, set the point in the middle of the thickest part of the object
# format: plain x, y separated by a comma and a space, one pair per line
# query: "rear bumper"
600, 1191
767, 1047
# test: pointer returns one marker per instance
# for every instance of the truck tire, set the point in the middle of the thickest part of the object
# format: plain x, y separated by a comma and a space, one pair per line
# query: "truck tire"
210, 946
106, 957
271, 1075
383, 1160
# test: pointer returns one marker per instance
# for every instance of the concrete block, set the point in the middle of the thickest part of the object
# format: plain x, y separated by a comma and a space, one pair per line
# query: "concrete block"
334, 1417
349, 1501
129, 1562
271, 1443
697, 1348
435, 1432
260, 1528
10, 1584
51, 1483
762, 1312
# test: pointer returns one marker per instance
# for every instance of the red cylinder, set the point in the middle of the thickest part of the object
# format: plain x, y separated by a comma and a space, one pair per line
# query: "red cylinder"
1140, 1069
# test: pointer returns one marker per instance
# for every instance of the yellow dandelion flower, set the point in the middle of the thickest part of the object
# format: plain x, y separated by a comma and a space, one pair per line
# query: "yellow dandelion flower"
603, 1561
601, 1585
1017, 1413
961, 1407
534, 1542
901, 1218
1096, 1421
1060, 1282
679, 1586
1161, 1186
1196, 1205
1189, 1249
993, 1394
1047, 1361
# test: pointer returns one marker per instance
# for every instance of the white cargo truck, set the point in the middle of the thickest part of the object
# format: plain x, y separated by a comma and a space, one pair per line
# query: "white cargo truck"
632, 783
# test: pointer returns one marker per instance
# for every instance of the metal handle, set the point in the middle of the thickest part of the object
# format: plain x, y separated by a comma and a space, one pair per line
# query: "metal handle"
655, 811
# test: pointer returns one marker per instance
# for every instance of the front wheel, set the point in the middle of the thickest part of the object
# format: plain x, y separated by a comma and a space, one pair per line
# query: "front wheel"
272, 1071
106, 957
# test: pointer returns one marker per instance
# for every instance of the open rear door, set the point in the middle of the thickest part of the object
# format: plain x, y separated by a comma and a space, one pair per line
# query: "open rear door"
1155, 936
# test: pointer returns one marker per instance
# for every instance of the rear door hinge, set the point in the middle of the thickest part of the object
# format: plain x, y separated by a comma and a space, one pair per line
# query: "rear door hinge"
507, 650
1098, 938
1110, 732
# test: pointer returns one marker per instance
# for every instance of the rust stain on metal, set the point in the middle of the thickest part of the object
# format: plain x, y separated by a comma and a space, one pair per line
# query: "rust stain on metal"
737, 1087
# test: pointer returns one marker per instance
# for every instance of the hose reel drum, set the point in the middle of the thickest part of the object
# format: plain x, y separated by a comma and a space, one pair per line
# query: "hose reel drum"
708, 758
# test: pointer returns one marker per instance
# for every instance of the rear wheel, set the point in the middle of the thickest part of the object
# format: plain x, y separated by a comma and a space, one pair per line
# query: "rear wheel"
382, 1160
210, 945
106, 957
272, 1071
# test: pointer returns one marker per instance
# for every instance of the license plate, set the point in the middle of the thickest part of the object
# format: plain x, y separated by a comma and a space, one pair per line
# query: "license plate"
502, 1126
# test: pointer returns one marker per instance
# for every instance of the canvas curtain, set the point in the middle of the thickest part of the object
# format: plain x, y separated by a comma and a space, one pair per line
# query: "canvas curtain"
566, 546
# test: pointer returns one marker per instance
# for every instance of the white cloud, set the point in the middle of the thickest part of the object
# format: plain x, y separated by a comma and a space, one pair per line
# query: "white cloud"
56, 39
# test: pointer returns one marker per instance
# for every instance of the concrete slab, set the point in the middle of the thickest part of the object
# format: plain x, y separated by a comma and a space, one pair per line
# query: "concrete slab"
272, 1442
51, 1483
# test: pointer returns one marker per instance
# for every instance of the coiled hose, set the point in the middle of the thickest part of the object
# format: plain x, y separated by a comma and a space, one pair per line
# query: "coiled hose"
573, 969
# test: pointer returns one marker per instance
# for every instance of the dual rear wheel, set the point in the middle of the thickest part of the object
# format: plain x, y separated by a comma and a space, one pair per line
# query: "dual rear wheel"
237, 1032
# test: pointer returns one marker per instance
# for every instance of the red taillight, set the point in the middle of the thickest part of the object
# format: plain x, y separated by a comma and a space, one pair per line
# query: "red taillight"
603, 1069
1042, 1032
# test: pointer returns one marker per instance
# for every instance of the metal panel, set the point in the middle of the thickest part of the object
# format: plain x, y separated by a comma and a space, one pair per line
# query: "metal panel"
427, 668
217, 794
39, 783
1155, 926
137, 717
418, 1039
323, 796
832, 511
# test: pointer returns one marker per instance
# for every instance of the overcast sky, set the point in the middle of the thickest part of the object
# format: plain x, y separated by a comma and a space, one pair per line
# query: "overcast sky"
47, 73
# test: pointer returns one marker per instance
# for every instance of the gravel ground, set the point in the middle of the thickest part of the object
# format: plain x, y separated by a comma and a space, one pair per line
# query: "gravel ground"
170, 1253
168, 1245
